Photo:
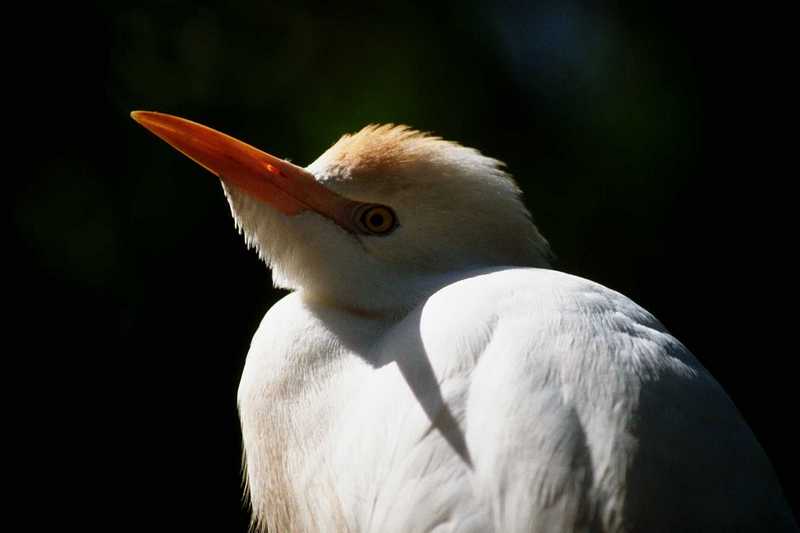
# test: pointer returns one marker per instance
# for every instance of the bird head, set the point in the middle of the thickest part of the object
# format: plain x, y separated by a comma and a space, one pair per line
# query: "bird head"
377, 221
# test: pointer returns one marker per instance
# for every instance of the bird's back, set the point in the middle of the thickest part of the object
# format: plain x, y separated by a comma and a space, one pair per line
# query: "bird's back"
511, 400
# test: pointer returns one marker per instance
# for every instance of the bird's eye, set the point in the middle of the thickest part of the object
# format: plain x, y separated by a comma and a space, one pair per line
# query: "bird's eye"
376, 219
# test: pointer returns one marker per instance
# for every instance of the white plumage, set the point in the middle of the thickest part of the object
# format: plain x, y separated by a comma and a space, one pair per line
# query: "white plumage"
442, 378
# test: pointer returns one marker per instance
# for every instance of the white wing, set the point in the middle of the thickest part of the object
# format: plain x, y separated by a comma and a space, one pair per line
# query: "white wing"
513, 400
583, 413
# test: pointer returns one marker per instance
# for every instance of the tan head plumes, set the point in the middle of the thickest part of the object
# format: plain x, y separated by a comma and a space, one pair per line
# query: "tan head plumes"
382, 149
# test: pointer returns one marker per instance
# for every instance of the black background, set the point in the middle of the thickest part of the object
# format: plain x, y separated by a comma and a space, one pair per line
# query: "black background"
646, 138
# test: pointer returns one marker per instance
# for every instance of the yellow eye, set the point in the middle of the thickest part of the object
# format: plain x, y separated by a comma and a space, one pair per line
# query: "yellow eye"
376, 219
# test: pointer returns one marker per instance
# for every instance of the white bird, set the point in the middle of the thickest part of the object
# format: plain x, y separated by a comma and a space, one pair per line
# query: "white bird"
429, 372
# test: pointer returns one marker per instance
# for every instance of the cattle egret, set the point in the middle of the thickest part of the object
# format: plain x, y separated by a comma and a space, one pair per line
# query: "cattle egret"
429, 372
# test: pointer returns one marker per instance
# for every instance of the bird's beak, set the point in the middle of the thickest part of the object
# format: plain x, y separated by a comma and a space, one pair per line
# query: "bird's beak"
286, 187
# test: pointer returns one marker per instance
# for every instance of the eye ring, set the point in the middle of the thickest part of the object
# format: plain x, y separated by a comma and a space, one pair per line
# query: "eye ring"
375, 219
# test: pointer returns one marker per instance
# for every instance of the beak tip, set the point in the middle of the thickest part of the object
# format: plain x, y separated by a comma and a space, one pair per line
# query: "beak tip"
141, 116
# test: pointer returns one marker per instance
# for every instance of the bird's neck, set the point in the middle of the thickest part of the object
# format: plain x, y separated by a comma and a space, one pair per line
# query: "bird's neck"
390, 301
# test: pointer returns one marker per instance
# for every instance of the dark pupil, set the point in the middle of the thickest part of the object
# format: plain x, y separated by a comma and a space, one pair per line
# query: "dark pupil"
376, 220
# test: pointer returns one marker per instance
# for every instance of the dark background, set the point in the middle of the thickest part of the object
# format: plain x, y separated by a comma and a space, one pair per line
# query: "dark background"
642, 136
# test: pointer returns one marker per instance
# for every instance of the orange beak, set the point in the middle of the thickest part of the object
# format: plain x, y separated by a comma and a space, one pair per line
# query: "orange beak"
286, 187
